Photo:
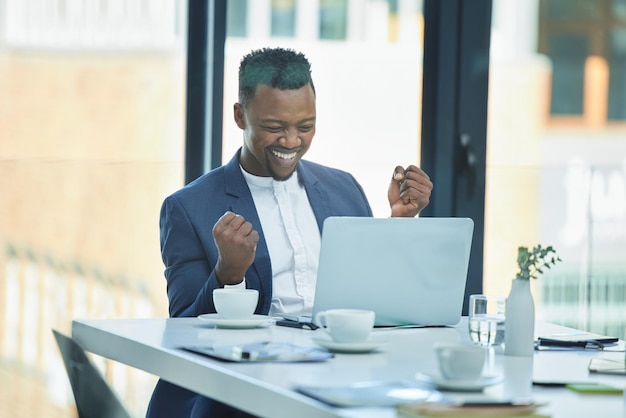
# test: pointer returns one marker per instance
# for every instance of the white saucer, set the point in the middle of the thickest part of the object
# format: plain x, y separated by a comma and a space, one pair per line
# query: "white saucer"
458, 385
371, 344
254, 322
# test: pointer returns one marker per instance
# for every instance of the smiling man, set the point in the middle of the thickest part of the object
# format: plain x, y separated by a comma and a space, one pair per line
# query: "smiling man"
278, 128
256, 222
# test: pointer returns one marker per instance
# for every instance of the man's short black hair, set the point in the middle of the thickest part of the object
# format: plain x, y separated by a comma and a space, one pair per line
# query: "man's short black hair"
280, 68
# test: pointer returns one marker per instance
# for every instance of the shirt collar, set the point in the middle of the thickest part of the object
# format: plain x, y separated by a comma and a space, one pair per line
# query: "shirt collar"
259, 182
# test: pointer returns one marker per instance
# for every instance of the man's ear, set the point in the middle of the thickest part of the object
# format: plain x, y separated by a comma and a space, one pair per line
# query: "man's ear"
239, 116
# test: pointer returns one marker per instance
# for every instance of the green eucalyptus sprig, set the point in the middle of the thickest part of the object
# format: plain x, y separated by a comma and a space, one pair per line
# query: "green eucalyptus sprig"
532, 263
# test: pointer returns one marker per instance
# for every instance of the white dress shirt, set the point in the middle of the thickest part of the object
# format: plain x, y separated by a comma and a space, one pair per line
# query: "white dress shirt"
293, 240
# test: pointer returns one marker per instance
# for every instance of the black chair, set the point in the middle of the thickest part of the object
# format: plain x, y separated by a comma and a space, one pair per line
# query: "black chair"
93, 396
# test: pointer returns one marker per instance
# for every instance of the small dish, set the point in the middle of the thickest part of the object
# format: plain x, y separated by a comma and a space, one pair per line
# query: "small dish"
371, 344
458, 385
254, 322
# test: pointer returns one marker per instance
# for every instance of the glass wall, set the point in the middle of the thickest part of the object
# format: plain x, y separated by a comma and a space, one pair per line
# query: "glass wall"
556, 170
91, 141
366, 60
92, 134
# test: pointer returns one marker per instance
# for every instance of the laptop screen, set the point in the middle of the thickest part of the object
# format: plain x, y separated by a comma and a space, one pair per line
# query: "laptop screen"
409, 271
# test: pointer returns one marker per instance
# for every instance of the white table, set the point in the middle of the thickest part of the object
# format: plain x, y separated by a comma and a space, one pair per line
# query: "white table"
266, 389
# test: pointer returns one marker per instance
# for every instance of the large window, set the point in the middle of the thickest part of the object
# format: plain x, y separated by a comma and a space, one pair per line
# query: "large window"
91, 141
556, 170
366, 62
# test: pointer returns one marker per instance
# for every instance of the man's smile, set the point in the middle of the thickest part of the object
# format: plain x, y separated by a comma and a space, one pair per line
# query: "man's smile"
284, 156
284, 159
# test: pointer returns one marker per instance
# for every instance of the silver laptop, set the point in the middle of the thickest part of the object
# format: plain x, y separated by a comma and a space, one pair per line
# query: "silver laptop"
410, 271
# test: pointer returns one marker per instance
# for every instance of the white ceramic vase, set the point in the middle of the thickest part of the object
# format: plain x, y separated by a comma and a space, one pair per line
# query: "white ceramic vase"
519, 331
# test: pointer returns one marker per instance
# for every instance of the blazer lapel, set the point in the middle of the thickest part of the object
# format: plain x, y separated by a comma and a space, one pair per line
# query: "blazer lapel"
259, 275
318, 198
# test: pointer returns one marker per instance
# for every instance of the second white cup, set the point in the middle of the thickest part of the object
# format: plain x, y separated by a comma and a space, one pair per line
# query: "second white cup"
235, 303
346, 325
458, 361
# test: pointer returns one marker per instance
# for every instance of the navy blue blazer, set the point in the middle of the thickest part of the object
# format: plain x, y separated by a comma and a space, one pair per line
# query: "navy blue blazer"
188, 216
189, 254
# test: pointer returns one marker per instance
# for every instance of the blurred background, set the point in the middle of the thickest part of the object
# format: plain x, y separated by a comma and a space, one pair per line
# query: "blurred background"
92, 137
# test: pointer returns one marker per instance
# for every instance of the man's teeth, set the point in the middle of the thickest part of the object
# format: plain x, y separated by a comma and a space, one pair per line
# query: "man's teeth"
284, 156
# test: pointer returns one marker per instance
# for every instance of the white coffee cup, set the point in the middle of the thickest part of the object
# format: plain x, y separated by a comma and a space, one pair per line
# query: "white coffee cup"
235, 303
460, 361
346, 325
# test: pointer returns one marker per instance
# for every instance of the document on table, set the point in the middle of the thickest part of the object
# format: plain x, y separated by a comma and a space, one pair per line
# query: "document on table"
262, 351
579, 340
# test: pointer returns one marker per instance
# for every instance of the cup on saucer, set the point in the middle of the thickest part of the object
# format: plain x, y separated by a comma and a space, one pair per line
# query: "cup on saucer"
238, 304
459, 361
346, 325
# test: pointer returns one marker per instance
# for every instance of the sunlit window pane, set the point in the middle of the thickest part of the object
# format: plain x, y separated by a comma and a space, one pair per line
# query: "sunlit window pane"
333, 19
568, 55
565, 10
283, 18
356, 79
617, 80
91, 141
556, 168
236, 18
618, 8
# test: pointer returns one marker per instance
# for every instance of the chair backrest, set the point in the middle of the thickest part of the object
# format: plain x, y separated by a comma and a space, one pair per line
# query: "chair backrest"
93, 396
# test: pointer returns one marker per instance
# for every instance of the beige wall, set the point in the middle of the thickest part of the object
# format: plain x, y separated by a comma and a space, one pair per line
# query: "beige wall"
89, 146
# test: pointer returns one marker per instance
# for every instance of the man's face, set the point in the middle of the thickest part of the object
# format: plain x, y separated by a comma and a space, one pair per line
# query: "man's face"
278, 127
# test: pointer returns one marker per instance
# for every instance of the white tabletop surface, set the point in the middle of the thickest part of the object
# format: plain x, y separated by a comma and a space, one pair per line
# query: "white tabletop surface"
266, 389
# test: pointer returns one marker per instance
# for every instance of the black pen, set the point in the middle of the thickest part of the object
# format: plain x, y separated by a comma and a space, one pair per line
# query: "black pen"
296, 322
555, 384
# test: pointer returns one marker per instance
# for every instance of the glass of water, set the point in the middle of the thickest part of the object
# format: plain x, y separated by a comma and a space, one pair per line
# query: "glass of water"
486, 319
